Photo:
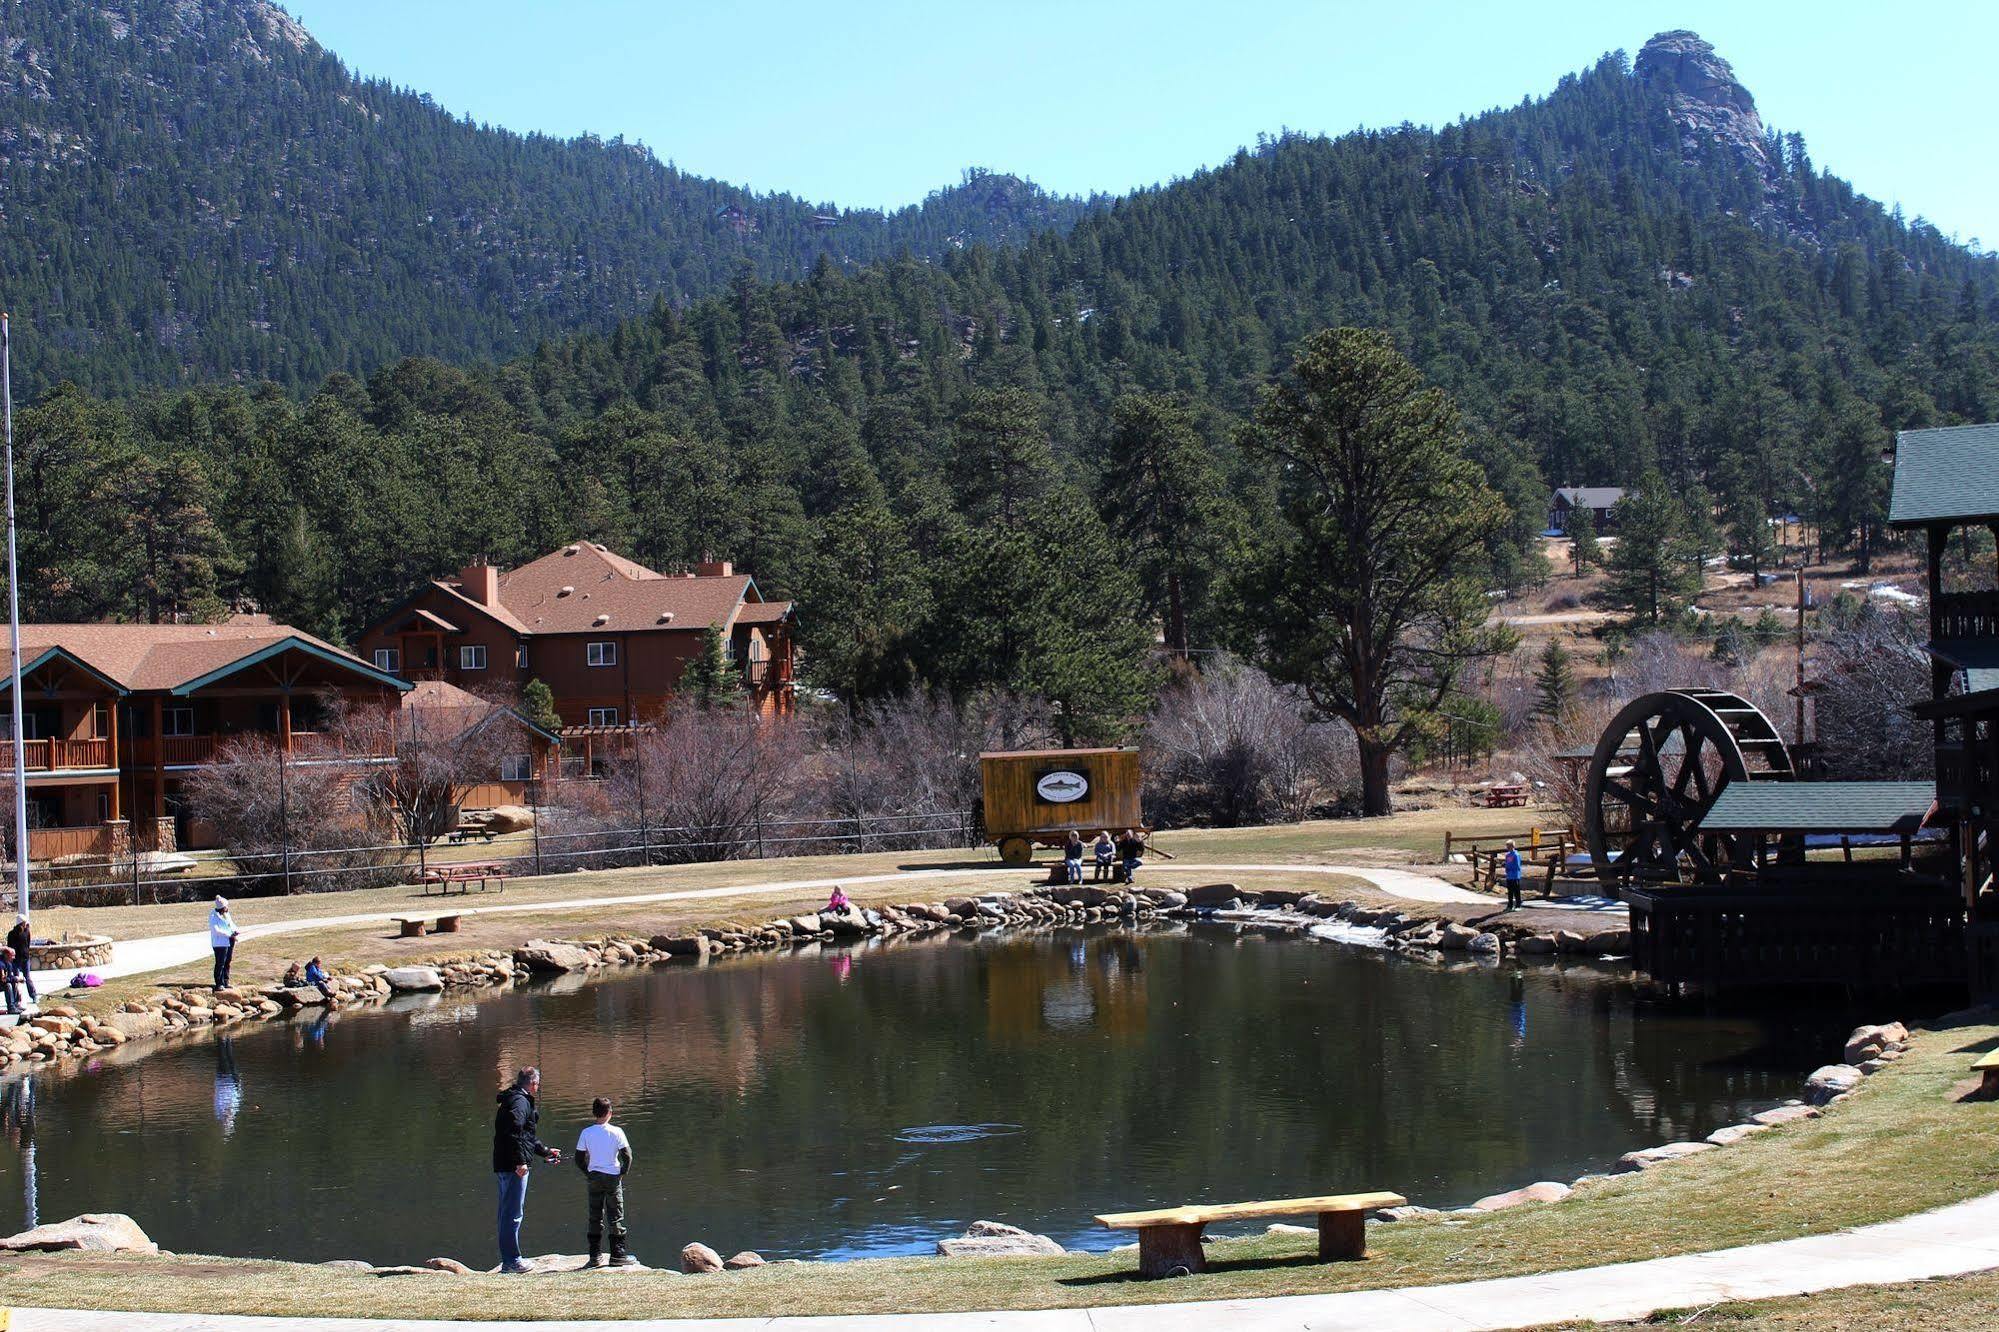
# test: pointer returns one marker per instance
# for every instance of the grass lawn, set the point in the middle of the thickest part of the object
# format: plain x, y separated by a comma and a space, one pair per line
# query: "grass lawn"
1907, 1142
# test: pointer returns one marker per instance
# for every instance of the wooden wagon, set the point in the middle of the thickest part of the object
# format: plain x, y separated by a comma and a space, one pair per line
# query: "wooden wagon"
1036, 797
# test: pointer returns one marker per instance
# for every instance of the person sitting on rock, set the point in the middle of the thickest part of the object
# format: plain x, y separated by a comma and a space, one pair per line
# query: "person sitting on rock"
838, 900
7, 981
604, 1155
294, 976
316, 976
1130, 854
1106, 853
1072, 857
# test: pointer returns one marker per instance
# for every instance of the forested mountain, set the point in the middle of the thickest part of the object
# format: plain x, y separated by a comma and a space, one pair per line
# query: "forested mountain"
195, 189
987, 470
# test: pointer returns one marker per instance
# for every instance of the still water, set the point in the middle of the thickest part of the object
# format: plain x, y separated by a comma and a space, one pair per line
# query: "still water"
863, 1103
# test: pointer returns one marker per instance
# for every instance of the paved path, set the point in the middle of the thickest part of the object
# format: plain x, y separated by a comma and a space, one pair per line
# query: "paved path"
137, 957
1948, 1242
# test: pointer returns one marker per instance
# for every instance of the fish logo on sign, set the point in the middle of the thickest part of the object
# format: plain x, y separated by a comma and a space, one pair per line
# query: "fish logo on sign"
1061, 788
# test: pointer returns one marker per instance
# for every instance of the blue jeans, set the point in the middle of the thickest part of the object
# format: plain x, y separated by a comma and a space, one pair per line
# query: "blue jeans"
24, 975
513, 1206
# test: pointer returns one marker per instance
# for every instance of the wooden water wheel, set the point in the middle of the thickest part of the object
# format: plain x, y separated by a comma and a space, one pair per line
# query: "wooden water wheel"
1657, 770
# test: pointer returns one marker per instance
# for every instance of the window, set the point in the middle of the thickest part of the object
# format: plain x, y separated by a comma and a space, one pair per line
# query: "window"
176, 721
521, 656
100, 721
103, 806
728, 649
472, 657
601, 654
517, 768
388, 659
603, 716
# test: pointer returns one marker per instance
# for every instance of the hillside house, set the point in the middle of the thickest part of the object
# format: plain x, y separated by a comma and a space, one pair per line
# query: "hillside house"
608, 636
114, 716
523, 754
1566, 501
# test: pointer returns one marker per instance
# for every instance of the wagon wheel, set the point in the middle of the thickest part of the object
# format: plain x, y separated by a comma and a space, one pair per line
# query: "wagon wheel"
1656, 772
1016, 850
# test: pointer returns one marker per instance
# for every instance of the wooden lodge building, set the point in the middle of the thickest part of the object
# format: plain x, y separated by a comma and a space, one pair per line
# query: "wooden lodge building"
114, 716
1566, 502
608, 636
1947, 484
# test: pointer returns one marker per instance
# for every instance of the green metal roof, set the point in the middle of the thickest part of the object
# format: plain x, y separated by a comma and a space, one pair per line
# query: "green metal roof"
1977, 658
1820, 807
1945, 474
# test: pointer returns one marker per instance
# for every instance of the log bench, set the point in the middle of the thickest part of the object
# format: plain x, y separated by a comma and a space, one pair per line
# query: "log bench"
1170, 1237
1987, 1068
412, 927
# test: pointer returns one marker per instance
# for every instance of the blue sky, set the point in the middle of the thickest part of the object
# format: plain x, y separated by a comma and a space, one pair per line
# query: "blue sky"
879, 103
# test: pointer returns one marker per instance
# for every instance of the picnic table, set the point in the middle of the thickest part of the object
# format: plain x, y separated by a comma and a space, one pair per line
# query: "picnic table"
460, 836
465, 874
1501, 795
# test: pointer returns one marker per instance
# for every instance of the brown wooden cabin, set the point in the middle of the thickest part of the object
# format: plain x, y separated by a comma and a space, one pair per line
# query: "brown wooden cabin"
1031, 797
608, 636
114, 715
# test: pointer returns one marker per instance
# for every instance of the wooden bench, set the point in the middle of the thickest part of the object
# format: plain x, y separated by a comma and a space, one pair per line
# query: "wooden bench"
411, 927
1171, 1237
1987, 1068
465, 875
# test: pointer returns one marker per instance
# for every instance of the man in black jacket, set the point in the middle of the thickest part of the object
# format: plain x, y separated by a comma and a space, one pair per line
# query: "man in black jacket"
515, 1146
21, 940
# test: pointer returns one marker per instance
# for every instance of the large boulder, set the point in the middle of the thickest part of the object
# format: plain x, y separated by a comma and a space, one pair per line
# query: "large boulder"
1784, 1114
850, 923
1545, 1191
1219, 895
698, 1257
1456, 938
413, 980
1868, 1042
147, 1022
1831, 1082
806, 924
744, 1261
684, 945
1649, 1158
509, 818
1612, 942
1734, 1133
542, 955
93, 1232
995, 1239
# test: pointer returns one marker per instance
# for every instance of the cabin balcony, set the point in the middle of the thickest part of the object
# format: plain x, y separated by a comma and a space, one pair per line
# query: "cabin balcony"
59, 755
194, 751
1966, 615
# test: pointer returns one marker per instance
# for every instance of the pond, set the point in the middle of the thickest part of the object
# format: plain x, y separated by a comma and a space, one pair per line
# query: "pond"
842, 1104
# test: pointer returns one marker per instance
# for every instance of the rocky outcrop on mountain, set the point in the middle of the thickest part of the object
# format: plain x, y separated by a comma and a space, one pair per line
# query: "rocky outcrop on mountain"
1710, 106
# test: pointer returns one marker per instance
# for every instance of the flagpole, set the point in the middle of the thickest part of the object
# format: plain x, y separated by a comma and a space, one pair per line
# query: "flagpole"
14, 630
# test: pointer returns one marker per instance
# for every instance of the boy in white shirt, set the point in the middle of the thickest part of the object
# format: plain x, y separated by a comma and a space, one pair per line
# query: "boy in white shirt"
604, 1155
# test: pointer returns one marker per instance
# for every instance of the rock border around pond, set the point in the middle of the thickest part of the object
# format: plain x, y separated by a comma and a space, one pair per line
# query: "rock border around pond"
62, 1031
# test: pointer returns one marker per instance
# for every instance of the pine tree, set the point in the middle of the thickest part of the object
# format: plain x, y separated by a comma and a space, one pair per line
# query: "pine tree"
1584, 549
1366, 599
538, 706
710, 679
1554, 685
1653, 573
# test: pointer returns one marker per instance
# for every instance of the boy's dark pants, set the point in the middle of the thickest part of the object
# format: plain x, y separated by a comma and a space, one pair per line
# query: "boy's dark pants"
607, 1208
1513, 894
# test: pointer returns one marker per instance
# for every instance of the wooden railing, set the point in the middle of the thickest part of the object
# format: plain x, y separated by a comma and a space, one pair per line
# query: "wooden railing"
1967, 614
56, 755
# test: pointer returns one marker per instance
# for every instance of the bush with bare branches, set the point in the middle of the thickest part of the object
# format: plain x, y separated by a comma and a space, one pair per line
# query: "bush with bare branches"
1231, 748
1872, 669
291, 825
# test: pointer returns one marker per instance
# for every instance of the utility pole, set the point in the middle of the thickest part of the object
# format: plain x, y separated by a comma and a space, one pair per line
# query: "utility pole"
14, 631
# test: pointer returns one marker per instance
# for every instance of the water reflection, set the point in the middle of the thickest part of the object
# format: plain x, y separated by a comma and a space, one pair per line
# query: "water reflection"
867, 1101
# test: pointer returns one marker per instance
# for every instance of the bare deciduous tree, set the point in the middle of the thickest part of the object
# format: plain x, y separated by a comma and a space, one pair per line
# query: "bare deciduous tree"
1229, 747
288, 821
1873, 669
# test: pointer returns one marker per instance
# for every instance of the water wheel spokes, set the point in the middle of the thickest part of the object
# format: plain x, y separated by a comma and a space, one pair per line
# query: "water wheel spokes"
1658, 769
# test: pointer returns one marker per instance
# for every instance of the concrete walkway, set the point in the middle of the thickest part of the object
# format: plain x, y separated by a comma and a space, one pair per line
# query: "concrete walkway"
1951, 1241
137, 957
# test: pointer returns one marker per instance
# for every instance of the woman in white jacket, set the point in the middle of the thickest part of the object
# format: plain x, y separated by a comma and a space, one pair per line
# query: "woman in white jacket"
222, 934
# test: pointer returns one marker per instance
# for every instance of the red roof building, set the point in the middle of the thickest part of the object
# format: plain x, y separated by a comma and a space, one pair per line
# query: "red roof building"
608, 636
